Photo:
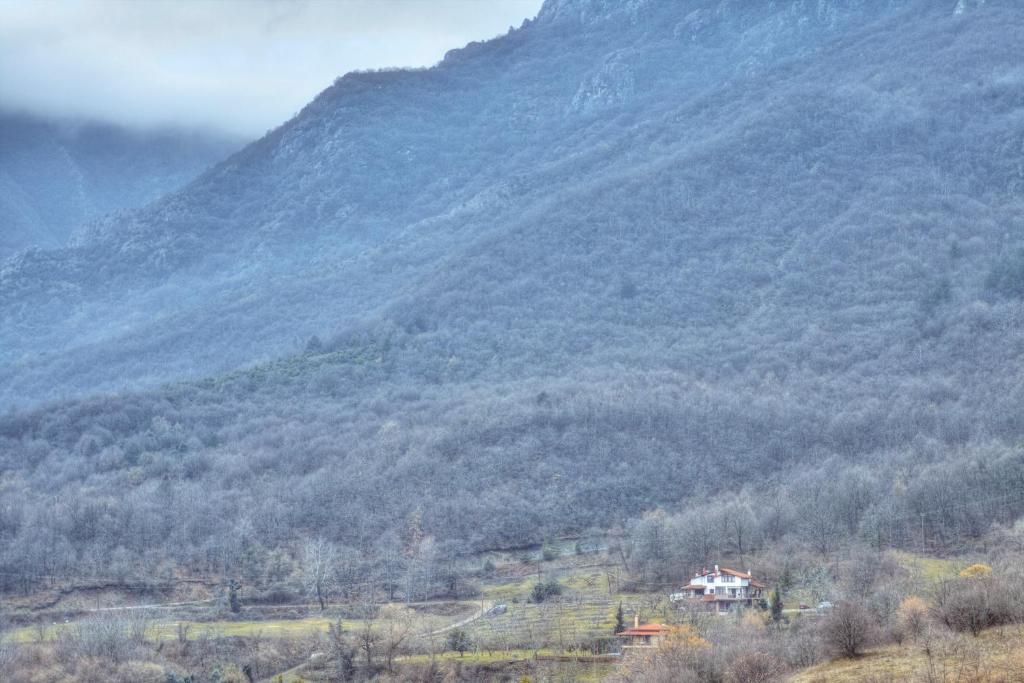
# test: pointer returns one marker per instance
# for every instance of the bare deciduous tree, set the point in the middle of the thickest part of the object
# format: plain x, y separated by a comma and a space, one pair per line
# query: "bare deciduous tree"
318, 569
396, 626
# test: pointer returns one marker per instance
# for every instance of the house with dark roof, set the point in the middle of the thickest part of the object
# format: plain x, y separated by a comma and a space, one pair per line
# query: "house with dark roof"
721, 591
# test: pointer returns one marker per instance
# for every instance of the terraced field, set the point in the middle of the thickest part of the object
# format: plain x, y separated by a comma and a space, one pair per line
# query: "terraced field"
584, 611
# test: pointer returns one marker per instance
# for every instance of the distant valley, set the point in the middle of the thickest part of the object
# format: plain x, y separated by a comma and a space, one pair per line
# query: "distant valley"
58, 175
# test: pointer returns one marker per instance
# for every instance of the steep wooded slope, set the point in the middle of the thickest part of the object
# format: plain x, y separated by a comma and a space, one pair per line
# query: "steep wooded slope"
390, 180
630, 253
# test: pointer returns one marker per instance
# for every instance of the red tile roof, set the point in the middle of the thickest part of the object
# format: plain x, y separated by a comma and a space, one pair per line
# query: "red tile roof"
647, 630
735, 573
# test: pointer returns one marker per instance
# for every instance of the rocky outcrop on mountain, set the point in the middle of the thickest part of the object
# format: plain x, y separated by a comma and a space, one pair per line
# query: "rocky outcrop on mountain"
611, 84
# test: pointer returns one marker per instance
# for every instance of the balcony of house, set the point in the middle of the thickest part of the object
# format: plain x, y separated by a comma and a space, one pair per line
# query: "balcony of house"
733, 594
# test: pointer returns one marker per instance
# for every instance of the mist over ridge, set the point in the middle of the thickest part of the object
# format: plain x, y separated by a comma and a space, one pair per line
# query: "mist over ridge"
58, 175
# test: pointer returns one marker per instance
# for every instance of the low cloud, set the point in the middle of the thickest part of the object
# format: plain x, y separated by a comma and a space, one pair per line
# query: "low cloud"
241, 66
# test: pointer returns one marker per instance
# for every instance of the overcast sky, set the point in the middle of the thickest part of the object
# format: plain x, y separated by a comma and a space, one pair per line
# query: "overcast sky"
242, 66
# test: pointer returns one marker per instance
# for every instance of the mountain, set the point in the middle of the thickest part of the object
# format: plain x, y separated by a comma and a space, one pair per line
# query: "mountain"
629, 254
387, 179
58, 175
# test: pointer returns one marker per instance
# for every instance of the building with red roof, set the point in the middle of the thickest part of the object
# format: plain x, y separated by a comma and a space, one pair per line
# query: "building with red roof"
646, 635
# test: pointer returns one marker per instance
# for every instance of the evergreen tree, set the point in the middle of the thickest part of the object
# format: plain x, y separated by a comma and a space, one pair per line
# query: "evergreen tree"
776, 606
620, 620
234, 600
785, 579
458, 641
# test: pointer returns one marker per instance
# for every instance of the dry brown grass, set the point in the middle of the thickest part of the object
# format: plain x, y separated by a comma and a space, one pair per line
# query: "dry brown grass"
997, 656
45, 664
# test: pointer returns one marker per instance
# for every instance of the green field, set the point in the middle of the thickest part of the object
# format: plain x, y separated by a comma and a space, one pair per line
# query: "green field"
167, 629
929, 569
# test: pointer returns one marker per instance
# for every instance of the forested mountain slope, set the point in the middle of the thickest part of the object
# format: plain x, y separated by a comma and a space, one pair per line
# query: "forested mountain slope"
55, 176
626, 254
390, 180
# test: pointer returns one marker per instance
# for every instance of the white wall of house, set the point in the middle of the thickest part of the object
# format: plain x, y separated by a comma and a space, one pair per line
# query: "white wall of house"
721, 582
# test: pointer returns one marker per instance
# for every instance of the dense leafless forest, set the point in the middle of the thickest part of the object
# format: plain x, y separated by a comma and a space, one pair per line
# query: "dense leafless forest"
655, 284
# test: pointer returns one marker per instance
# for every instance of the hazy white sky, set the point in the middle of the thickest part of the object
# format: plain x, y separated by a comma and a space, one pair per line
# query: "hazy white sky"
242, 66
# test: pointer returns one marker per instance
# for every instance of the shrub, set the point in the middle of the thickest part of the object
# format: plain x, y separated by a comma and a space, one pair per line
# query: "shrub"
754, 667
976, 570
543, 590
549, 552
848, 629
800, 646
976, 602
912, 617
102, 637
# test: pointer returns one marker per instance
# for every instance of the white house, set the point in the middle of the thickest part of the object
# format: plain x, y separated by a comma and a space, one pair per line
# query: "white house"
721, 590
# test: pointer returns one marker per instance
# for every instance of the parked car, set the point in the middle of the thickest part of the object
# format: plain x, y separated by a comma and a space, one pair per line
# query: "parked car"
824, 606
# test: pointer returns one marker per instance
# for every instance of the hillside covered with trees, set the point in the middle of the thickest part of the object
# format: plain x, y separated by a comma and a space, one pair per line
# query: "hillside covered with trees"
759, 264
